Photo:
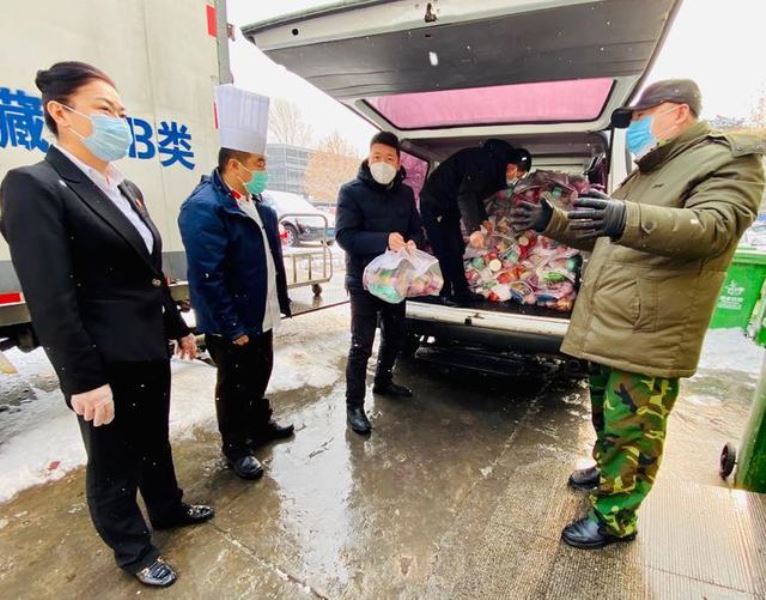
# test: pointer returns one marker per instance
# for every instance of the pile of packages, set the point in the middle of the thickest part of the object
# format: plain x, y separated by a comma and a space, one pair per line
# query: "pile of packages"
523, 266
394, 276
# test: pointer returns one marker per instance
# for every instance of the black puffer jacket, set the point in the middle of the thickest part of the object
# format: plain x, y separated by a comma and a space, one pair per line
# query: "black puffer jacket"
367, 213
458, 186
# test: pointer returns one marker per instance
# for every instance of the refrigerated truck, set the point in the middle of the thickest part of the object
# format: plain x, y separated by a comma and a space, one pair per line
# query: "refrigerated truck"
165, 56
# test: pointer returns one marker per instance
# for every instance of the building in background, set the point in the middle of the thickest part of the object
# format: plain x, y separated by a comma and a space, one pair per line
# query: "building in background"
287, 167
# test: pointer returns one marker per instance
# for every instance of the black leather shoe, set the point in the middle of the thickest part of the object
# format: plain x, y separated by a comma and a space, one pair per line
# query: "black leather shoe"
157, 574
270, 432
392, 389
189, 514
247, 467
585, 480
358, 421
588, 533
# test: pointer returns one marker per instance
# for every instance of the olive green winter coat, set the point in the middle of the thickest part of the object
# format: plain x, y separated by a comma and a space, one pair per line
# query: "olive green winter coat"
646, 299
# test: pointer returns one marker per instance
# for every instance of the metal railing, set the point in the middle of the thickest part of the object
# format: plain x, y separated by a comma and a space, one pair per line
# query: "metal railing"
327, 267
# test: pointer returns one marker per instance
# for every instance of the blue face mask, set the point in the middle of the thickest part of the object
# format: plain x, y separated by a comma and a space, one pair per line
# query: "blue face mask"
257, 183
110, 139
640, 138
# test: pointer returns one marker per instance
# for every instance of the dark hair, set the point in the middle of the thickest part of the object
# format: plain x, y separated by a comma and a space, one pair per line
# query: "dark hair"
387, 139
227, 154
62, 80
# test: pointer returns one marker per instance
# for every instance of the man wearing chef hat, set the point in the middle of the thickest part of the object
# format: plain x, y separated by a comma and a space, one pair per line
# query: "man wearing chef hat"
237, 277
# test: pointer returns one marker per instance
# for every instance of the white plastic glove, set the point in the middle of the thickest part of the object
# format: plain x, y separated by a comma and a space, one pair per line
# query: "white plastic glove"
186, 347
96, 405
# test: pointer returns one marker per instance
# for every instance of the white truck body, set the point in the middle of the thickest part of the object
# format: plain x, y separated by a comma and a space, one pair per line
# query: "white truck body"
165, 56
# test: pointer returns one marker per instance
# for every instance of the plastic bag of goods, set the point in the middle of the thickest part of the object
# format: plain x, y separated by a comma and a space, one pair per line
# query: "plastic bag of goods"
558, 188
394, 276
526, 267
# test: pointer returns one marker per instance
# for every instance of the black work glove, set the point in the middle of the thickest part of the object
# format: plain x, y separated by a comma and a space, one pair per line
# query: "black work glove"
597, 215
528, 215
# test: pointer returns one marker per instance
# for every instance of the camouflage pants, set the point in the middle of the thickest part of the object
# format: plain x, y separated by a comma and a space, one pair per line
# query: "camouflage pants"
630, 413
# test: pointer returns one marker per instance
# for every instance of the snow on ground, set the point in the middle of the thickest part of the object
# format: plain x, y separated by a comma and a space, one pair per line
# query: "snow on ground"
730, 350
41, 439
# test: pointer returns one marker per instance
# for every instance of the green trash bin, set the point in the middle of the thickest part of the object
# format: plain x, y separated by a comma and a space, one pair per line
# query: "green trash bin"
741, 290
750, 460
756, 331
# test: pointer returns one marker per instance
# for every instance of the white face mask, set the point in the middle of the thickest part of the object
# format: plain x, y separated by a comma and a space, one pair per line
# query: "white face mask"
382, 172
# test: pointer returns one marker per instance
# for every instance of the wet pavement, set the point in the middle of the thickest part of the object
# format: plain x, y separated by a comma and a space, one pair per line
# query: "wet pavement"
459, 493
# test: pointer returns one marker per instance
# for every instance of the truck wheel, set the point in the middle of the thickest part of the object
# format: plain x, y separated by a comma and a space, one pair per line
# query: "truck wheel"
728, 460
576, 368
411, 345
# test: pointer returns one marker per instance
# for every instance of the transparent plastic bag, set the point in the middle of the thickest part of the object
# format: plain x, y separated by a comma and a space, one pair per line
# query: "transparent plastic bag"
526, 267
394, 276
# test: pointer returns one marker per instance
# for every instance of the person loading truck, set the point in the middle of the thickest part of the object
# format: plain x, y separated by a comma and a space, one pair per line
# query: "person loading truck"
456, 190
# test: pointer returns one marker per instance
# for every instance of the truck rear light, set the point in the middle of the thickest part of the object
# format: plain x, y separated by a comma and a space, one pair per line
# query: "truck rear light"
10, 298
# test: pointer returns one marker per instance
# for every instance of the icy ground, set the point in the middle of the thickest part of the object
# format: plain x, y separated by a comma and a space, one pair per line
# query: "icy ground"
39, 437
40, 441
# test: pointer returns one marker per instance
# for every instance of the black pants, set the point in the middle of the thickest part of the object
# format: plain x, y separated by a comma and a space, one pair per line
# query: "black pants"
132, 453
365, 309
243, 376
447, 242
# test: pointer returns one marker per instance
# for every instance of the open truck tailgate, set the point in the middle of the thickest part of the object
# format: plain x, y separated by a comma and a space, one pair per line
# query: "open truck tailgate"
360, 52
498, 320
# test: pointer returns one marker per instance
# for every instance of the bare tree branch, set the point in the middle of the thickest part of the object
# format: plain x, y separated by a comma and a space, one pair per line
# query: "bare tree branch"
758, 113
287, 126
332, 164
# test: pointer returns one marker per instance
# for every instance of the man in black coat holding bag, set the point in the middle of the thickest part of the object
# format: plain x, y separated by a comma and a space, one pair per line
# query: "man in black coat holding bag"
376, 212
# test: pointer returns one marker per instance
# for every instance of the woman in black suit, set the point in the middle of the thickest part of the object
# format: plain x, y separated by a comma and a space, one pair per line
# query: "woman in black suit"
89, 260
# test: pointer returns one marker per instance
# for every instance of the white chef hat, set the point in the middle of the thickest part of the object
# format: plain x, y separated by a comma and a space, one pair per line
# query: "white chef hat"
243, 119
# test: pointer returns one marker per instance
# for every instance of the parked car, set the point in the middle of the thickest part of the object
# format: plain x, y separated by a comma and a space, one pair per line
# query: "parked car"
303, 222
283, 236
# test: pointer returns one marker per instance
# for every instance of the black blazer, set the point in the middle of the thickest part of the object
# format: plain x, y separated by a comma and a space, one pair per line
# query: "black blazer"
95, 294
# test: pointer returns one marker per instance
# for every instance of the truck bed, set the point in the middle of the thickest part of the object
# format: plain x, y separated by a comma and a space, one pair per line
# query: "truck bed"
506, 307
501, 326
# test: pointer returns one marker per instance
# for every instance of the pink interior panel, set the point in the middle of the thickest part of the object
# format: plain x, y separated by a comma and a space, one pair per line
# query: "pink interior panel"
577, 100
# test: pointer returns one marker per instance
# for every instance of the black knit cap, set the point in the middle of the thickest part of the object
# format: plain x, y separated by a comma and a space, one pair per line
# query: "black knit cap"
522, 159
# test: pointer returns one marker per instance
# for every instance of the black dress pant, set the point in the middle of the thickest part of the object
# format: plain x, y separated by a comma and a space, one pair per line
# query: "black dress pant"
447, 242
132, 453
365, 311
243, 376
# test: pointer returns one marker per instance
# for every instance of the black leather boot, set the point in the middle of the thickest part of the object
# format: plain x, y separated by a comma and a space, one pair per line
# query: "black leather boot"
357, 420
591, 534
391, 389
158, 574
585, 480
246, 467
270, 431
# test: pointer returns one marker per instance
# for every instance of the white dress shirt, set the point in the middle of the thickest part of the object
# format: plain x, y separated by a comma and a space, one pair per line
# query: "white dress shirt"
272, 316
109, 185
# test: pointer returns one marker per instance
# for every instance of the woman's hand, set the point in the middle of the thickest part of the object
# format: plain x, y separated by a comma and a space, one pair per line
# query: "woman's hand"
187, 347
96, 405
